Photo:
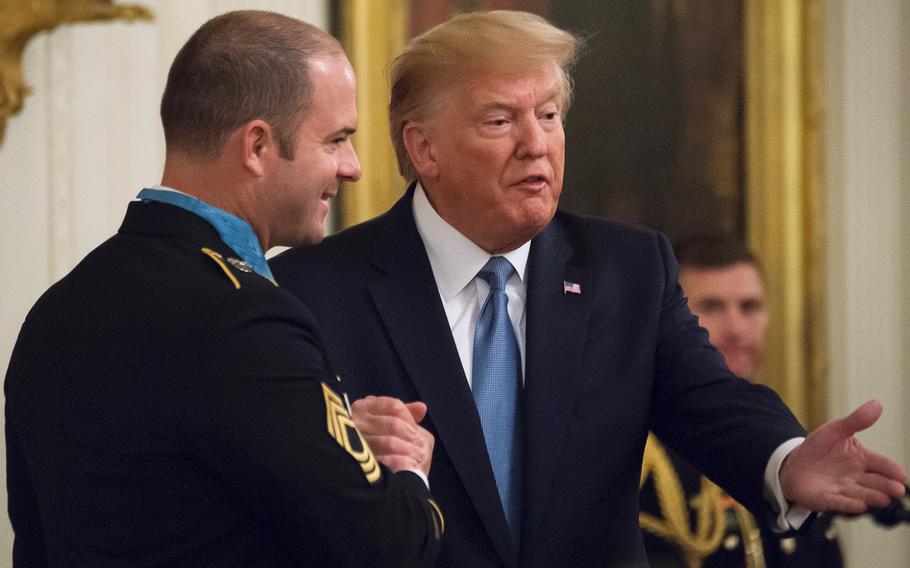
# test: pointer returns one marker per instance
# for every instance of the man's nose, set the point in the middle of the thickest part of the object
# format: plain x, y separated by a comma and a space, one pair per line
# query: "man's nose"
349, 168
735, 323
532, 141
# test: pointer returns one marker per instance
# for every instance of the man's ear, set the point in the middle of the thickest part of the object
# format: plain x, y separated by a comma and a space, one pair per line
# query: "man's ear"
258, 144
419, 144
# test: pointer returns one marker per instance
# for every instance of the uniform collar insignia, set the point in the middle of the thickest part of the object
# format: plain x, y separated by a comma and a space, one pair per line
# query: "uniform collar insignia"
240, 265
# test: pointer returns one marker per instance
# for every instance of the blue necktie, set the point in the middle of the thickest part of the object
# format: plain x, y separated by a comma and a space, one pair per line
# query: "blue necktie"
496, 383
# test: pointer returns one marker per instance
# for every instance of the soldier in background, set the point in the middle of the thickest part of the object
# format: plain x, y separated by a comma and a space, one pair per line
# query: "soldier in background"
687, 520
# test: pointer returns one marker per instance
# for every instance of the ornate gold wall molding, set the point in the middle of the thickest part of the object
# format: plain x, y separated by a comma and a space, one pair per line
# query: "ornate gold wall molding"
20, 20
372, 34
785, 194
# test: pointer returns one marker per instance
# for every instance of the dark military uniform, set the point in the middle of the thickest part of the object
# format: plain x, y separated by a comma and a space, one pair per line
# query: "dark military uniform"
165, 407
717, 532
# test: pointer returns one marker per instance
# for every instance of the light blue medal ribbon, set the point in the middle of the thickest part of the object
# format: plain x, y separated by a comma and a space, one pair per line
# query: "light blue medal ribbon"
234, 231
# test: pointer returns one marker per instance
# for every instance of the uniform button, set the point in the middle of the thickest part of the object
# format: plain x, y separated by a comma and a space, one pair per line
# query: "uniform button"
788, 545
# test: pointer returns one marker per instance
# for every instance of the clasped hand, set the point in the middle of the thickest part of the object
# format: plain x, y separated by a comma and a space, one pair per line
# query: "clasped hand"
392, 430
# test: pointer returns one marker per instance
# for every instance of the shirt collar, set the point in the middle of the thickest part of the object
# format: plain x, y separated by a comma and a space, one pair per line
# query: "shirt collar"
455, 259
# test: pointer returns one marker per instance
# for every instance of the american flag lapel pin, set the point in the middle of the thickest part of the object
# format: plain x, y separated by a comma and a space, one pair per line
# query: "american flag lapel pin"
571, 287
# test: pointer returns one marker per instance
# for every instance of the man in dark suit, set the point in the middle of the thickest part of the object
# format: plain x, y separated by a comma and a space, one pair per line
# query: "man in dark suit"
166, 403
595, 343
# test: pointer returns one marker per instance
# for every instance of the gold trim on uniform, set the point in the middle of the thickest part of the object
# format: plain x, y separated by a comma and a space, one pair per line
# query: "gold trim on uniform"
340, 425
788, 545
675, 526
219, 260
439, 522
751, 534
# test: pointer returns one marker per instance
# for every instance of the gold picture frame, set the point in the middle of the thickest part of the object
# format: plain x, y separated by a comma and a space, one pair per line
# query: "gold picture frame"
785, 193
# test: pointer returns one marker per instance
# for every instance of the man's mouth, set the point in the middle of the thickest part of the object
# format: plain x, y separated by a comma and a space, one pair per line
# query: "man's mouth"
534, 181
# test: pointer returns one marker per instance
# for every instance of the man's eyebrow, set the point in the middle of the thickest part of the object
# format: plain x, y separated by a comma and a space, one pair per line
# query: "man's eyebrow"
551, 96
497, 105
346, 131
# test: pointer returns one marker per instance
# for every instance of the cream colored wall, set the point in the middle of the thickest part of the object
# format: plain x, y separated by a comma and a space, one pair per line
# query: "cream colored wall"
867, 43
905, 192
88, 139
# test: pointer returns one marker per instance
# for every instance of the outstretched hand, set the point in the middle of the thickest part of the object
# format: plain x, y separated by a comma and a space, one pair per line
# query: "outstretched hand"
391, 429
832, 471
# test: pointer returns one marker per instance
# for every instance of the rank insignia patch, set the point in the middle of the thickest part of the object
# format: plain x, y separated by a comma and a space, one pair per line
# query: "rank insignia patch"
342, 428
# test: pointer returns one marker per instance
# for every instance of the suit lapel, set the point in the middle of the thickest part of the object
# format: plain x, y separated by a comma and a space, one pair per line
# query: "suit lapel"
555, 333
409, 305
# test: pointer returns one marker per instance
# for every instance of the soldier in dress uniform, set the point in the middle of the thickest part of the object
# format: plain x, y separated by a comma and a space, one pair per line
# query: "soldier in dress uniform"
687, 520
167, 403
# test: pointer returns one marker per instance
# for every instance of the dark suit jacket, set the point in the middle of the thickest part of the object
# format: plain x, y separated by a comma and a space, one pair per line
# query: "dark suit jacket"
602, 367
166, 409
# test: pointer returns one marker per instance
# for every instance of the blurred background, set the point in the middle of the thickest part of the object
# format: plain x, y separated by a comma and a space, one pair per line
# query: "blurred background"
781, 122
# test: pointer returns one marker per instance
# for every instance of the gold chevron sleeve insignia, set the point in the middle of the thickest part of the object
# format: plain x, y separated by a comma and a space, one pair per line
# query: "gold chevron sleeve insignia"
342, 428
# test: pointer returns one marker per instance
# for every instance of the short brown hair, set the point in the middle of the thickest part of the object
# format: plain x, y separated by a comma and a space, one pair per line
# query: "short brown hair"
439, 58
238, 67
713, 251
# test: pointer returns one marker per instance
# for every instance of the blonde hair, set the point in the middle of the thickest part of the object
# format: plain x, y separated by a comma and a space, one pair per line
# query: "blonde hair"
440, 58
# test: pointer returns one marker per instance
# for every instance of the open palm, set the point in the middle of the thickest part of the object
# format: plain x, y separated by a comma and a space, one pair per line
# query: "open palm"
833, 471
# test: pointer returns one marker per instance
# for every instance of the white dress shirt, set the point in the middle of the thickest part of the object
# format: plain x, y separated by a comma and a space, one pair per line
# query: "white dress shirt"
456, 260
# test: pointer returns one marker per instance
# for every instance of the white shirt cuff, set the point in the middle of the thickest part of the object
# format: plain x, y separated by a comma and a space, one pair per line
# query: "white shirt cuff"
789, 518
421, 475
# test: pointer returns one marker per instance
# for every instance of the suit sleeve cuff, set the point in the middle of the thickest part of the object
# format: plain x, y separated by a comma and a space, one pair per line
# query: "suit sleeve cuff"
421, 475
789, 517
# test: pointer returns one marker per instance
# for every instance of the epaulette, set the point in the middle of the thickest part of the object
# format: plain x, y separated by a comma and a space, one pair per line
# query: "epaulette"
220, 261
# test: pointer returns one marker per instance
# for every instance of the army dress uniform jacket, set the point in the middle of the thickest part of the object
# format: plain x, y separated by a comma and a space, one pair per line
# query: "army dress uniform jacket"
166, 408
603, 366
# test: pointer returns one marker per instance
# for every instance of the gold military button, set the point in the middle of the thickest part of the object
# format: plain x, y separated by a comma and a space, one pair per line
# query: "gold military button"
788, 545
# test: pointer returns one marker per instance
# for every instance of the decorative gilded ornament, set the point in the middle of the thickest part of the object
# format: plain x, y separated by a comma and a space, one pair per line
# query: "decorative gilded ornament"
20, 20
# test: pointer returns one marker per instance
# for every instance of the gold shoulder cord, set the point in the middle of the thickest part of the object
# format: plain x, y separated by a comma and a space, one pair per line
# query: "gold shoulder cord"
755, 557
219, 260
675, 525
